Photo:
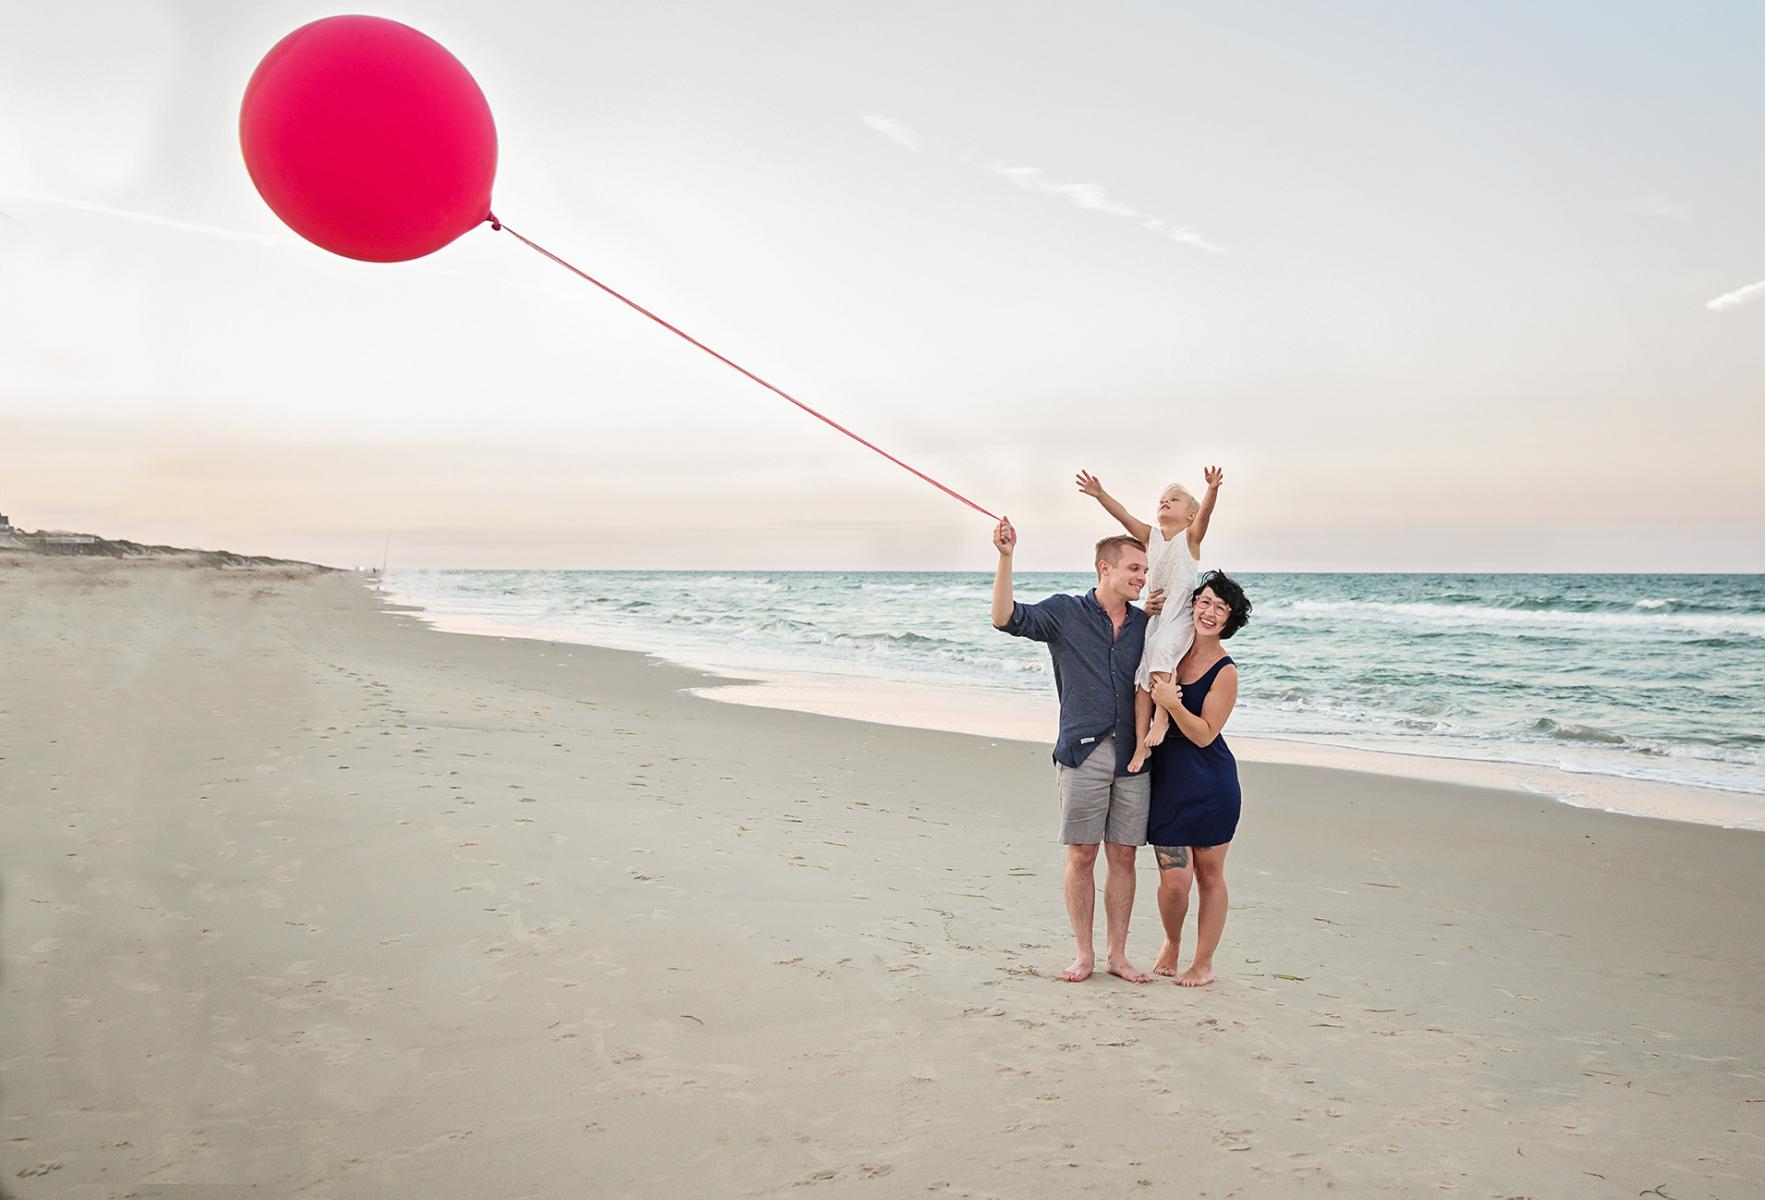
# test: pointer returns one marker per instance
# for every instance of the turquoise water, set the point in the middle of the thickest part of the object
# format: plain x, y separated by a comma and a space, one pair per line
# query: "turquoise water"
1650, 676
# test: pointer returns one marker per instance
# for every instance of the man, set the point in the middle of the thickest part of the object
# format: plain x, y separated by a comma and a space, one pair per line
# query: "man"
1095, 641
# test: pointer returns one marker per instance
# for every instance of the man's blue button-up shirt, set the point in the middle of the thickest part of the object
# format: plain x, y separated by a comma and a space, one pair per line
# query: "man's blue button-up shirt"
1094, 670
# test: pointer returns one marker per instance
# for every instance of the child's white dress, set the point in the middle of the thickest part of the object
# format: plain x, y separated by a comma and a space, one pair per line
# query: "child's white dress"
1171, 633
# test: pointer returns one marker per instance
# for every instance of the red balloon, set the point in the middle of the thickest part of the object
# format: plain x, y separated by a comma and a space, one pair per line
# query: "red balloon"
369, 139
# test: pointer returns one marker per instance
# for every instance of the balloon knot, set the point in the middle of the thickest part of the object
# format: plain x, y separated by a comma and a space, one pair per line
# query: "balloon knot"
496, 226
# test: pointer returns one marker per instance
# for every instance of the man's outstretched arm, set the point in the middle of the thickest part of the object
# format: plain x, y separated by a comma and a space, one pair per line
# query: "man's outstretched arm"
1004, 541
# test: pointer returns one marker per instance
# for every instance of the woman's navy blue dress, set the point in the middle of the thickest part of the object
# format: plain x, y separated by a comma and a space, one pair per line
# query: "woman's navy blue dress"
1195, 795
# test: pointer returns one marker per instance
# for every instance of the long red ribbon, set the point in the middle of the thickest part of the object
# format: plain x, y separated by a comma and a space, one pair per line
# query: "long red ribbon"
951, 492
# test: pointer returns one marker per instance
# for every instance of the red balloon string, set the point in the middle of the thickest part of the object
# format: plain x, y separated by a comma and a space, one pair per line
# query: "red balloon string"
951, 492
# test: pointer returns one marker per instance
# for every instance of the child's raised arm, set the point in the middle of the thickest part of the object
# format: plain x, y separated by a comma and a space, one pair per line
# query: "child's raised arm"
1088, 484
1198, 527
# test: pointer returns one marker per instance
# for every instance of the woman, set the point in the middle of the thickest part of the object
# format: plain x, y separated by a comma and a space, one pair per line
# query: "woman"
1195, 794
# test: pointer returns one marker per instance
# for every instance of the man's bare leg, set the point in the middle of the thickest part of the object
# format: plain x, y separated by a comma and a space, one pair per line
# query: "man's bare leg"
1118, 905
1175, 874
1081, 908
1143, 707
1160, 723
1210, 922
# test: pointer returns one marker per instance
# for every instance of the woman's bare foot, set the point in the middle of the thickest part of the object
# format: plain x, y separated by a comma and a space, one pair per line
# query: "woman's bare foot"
1128, 971
1079, 971
1141, 754
1198, 975
1167, 960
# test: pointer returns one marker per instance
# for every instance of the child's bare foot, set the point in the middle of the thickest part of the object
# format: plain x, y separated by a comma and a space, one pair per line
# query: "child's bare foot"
1167, 960
1141, 754
1198, 975
1079, 971
1161, 725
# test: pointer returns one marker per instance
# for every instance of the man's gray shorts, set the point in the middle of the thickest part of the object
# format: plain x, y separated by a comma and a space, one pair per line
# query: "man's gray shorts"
1096, 805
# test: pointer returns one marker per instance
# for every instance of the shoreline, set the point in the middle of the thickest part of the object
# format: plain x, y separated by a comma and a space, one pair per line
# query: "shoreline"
1011, 716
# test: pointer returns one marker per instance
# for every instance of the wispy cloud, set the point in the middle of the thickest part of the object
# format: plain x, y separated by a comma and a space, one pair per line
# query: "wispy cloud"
1085, 195
1089, 196
106, 210
1093, 197
1738, 297
1661, 208
281, 241
892, 129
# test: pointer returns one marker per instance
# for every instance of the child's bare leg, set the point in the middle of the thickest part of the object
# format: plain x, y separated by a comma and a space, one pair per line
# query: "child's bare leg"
1143, 707
1161, 720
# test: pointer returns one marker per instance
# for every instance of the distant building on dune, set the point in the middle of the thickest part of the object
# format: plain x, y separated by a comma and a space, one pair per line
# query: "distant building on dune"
57, 541
5, 524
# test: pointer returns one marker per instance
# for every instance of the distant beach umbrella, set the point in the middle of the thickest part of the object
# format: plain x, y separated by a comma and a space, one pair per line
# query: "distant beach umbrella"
369, 139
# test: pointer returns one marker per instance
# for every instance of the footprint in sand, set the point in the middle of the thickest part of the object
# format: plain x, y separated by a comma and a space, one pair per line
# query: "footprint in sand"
1232, 1139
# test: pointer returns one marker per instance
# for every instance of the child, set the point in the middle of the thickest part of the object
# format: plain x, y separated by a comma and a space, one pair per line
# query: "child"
1172, 568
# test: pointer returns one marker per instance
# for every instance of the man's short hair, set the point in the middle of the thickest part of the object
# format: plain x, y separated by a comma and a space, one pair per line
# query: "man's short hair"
1110, 549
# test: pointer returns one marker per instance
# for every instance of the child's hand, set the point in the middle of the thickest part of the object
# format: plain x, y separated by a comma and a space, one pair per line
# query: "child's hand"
1088, 484
1004, 537
1214, 476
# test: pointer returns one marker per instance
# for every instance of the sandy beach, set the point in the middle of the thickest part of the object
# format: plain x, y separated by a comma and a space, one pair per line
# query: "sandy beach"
303, 898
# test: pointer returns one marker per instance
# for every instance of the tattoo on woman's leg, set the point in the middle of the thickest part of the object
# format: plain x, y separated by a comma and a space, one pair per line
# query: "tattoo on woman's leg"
1172, 858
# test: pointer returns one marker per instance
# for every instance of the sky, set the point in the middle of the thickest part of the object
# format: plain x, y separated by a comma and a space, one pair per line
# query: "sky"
1451, 286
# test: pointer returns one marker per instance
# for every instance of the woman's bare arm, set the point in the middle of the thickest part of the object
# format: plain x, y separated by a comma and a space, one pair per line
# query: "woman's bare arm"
1221, 698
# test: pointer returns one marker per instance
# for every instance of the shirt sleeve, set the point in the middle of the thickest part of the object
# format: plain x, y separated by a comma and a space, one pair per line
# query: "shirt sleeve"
1038, 622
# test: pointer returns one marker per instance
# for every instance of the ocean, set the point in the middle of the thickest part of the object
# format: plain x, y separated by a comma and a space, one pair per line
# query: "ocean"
1647, 677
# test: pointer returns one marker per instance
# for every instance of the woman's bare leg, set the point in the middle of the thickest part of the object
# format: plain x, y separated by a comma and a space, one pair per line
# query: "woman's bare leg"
1174, 877
1210, 922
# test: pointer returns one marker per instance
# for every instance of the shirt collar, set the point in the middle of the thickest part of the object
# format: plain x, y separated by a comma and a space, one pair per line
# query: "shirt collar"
1097, 606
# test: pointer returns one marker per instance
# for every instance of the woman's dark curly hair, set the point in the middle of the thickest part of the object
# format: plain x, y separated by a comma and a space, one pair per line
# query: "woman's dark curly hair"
1227, 589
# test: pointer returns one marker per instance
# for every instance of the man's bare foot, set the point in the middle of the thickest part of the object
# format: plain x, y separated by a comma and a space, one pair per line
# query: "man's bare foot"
1167, 960
1141, 754
1128, 971
1196, 976
1079, 971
